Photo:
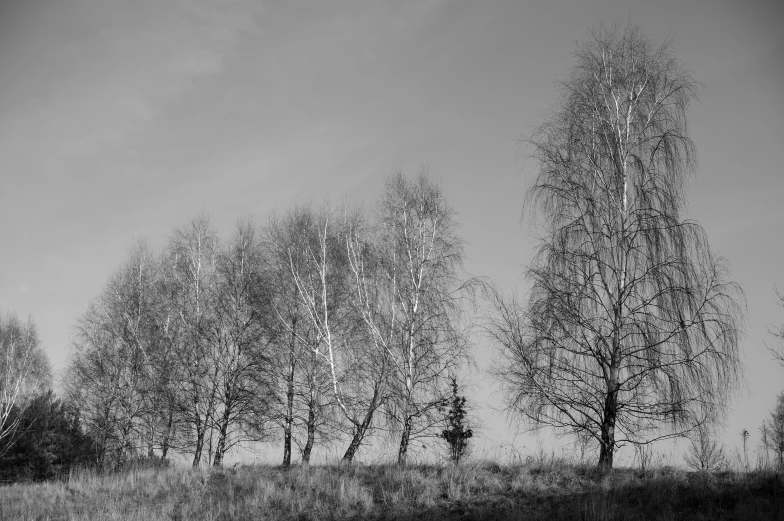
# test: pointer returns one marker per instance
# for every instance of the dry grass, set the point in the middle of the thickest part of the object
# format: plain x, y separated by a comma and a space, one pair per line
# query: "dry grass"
538, 489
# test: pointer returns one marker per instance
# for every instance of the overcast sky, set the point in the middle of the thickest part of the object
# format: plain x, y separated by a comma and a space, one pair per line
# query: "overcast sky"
122, 119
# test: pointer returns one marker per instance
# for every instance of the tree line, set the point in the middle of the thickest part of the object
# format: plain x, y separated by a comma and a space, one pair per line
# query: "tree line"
320, 324
337, 322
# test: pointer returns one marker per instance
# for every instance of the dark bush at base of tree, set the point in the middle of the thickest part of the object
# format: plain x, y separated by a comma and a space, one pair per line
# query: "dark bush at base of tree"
50, 442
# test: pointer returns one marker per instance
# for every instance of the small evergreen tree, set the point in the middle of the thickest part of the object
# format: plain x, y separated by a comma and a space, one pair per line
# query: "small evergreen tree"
457, 435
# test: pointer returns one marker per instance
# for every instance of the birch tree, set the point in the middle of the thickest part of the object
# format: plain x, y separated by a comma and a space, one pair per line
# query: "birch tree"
111, 374
24, 373
420, 260
632, 328
305, 395
240, 344
191, 268
356, 360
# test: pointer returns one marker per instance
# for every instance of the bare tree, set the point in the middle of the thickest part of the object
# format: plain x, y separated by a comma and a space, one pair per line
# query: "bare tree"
240, 344
24, 373
128, 309
773, 431
164, 369
173, 351
632, 328
420, 260
92, 381
704, 452
355, 357
111, 374
778, 333
304, 388
191, 269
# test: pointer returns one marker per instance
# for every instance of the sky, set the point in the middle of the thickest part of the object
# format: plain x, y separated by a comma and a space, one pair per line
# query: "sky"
123, 119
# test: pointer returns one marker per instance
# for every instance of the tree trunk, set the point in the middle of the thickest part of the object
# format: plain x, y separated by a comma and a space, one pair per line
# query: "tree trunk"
167, 437
311, 433
402, 453
359, 434
607, 442
289, 419
151, 439
199, 444
220, 448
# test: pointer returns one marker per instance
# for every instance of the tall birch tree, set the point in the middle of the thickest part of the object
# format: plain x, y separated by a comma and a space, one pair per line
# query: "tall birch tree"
303, 383
420, 261
192, 271
632, 328
356, 360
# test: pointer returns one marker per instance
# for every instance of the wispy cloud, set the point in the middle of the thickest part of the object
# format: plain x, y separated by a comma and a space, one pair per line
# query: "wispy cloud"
90, 75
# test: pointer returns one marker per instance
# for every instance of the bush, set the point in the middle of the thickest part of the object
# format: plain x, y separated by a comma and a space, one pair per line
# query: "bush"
50, 442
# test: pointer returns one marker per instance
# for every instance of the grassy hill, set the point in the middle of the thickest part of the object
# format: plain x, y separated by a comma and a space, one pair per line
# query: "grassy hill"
548, 490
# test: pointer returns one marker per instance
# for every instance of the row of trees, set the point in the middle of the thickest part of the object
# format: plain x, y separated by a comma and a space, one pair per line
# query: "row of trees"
631, 332
321, 323
324, 322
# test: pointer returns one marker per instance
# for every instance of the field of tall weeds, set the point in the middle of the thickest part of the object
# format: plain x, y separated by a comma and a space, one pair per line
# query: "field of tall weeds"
480, 490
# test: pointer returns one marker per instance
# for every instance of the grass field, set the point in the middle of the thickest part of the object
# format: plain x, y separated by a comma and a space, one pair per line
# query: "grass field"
543, 490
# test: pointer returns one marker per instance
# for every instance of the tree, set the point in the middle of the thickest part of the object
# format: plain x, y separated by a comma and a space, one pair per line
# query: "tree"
632, 328
191, 270
24, 372
778, 333
173, 352
304, 385
112, 375
419, 261
704, 453
456, 434
350, 318
744, 435
773, 431
240, 344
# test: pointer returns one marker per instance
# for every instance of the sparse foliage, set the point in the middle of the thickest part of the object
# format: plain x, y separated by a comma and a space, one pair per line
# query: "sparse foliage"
24, 372
419, 259
778, 333
773, 431
704, 453
113, 374
744, 435
632, 328
304, 392
315, 323
347, 313
240, 344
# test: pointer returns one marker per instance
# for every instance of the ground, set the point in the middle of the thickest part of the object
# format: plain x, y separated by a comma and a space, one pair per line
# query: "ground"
477, 490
